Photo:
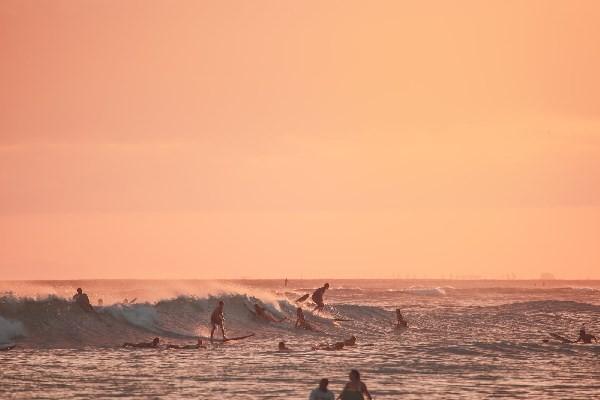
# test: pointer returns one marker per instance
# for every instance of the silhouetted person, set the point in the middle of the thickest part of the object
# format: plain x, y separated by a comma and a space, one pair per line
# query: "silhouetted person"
198, 345
282, 347
83, 301
355, 389
322, 393
585, 337
261, 312
301, 322
317, 297
217, 319
351, 341
329, 347
144, 345
400, 321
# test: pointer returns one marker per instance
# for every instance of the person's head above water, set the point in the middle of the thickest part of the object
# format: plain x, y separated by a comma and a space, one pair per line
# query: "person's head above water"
326, 285
79, 290
350, 341
155, 341
323, 384
281, 345
354, 375
299, 311
221, 304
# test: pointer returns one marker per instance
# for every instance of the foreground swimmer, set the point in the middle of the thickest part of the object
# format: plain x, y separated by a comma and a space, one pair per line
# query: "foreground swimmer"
400, 321
317, 297
585, 338
83, 301
301, 322
355, 389
261, 312
198, 345
144, 345
217, 319
322, 393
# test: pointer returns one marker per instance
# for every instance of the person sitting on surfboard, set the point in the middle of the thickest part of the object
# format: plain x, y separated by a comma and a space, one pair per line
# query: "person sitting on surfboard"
217, 319
317, 297
261, 312
400, 321
282, 347
144, 345
83, 300
198, 345
585, 337
301, 322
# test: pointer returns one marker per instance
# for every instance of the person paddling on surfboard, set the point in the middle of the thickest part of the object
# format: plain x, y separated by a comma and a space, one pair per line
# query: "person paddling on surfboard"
217, 319
585, 337
317, 297
261, 312
198, 345
144, 345
83, 301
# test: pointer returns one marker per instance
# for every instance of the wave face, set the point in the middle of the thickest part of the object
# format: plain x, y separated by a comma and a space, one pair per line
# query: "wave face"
459, 312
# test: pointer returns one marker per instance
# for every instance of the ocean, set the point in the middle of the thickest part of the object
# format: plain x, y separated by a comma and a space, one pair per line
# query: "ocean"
467, 339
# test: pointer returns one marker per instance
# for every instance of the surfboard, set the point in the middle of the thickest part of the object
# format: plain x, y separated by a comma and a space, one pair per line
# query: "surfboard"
234, 338
303, 298
561, 338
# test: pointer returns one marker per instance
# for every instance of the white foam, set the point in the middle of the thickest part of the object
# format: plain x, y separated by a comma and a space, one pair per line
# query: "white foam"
10, 330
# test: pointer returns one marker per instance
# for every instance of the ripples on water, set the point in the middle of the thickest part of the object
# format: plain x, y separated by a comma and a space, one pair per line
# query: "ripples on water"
467, 342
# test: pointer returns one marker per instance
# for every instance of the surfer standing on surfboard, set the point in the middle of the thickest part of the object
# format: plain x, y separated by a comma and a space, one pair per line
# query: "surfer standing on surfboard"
216, 319
317, 297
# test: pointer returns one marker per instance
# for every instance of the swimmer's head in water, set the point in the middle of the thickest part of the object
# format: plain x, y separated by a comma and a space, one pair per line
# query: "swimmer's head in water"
155, 341
326, 285
354, 375
323, 384
281, 345
221, 303
79, 290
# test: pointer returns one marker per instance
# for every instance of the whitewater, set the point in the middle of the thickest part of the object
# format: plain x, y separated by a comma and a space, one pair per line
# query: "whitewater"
466, 339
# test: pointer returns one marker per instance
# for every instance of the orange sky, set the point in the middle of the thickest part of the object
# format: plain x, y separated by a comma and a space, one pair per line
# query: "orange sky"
190, 139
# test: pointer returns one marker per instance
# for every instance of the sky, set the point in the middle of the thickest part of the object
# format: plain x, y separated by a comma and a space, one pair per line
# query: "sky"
263, 139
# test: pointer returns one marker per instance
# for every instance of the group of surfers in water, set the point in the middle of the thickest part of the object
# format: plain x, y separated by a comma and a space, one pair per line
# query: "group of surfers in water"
217, 320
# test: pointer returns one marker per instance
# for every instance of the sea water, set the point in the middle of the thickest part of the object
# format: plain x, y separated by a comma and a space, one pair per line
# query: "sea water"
466, 339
